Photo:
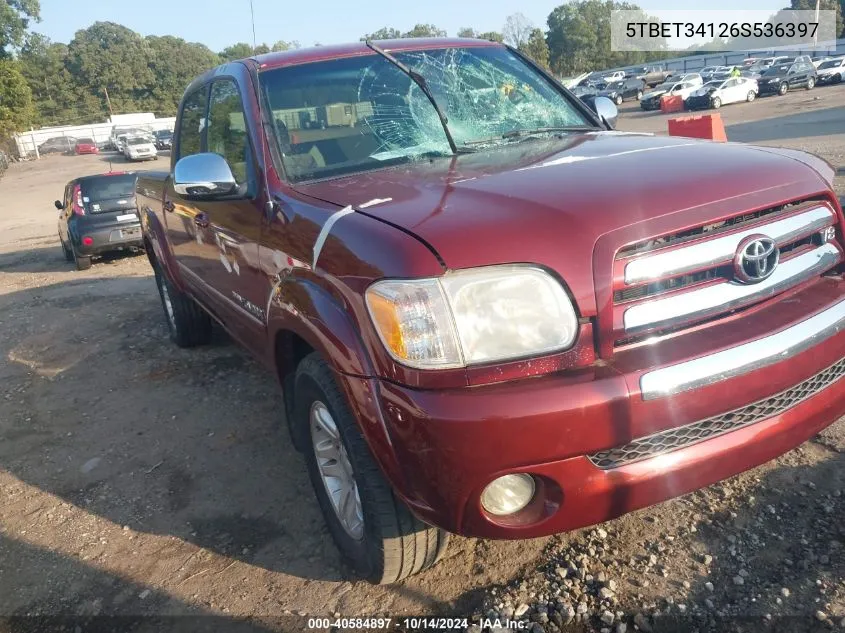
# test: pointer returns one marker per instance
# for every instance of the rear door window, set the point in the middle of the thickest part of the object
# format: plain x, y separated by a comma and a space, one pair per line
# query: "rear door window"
192, 123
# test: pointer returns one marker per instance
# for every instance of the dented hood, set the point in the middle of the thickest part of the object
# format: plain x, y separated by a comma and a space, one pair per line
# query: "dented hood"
550, 201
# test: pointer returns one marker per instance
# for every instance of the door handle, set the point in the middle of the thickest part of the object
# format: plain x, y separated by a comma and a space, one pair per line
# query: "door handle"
201, 219
169, 206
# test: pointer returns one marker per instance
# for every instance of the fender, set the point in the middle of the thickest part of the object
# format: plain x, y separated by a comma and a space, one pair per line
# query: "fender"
156, 237
302, 307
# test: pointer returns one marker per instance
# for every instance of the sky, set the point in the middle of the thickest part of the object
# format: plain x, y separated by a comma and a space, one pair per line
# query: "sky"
220, 23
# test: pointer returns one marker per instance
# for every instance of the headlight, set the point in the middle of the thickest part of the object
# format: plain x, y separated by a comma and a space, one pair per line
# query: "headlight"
472, 316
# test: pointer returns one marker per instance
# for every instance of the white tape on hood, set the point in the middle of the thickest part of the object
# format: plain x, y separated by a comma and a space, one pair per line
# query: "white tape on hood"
324, 232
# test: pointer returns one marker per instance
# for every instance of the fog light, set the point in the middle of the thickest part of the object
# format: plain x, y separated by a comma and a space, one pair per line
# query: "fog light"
508, 494
87, 241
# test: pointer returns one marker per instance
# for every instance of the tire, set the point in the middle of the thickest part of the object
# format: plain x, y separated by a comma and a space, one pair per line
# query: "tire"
837, 79
639, 95
382, 542
83, 262
751, 96
189, 324
68, 253
783, 88
716, 103
618, 100
811, 83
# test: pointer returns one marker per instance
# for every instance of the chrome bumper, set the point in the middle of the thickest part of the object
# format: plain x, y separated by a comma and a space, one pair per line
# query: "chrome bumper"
745, 358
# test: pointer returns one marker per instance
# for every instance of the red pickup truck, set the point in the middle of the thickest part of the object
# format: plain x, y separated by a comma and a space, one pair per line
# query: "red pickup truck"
487, 316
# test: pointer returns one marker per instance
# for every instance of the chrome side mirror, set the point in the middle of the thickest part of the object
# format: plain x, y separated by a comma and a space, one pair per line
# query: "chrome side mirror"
205, 175
607, 111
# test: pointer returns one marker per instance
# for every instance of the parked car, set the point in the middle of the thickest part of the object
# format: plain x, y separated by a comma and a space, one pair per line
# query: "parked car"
119, 131
139, 148
817, 60
652, 75
618, 75
619, 91
537, 377
163, 139
781, 77
86, 146
715, 94
98, 214
708, 71
57, 145
690, 77
831, 71
651, 99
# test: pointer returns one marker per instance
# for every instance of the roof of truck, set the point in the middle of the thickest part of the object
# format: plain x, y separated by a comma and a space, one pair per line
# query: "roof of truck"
322, 53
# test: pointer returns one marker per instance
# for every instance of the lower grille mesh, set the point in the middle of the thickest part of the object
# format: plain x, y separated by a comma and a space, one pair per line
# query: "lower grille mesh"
681, 437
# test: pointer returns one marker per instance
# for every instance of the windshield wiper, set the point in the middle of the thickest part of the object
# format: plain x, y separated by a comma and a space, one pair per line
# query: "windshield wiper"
539, 130
421, 82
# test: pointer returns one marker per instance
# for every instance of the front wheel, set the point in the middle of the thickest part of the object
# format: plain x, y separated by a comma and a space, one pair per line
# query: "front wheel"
375, 532
618, 100
639, 95
783, 89
811, 83
751, 96
717, 103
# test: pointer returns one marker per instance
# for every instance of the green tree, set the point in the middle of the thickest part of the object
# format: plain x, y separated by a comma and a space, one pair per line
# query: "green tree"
174, 64
467, 32
14, 23
495, 36
824, 5
579, 38
536, 48
108, 57
241, 50
16, 111
383, 34
282, 45
55, 92
425, 30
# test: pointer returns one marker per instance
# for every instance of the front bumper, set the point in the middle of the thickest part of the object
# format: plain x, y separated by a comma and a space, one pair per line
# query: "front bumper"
699, 103
769, 89
108, 238
650, 104
823, 80
452, 443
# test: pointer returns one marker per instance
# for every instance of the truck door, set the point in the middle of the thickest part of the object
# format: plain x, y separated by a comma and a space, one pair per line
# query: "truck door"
226, 233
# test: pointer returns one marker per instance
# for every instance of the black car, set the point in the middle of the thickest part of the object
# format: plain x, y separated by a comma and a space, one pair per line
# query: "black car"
98, 214
618, 91
57, 145
781, 77
163, 139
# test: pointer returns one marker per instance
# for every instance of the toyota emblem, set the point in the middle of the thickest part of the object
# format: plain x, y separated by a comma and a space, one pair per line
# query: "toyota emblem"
756, 259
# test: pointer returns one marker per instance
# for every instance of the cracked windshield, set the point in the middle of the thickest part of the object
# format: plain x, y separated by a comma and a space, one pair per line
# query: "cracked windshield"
365, 112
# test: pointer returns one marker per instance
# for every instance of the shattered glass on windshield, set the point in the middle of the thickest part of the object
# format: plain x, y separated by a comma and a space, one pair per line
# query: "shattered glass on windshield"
358, 113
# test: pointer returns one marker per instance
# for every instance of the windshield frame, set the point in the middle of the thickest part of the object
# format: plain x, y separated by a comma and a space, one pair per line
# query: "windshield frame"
591, 118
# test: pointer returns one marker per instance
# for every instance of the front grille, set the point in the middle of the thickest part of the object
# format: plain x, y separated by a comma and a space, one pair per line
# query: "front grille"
682, 279
683, 436
709, 229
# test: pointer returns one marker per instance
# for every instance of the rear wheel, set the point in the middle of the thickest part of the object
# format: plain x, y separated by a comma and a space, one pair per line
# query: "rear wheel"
618, 100
716, 102
375, 532
188, 323
751, 96
83, 262
783, 89
68, 253
811, 83
639, 95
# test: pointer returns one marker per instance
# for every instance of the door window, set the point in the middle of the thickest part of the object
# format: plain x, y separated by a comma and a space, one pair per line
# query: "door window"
227, 131
192, 123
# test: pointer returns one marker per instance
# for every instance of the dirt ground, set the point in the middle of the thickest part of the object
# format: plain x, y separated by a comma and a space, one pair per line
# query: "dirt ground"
138, 479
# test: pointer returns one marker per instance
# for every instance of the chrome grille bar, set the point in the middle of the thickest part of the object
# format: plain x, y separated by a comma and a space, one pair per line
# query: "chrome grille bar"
730, 295
708, 253
743, 359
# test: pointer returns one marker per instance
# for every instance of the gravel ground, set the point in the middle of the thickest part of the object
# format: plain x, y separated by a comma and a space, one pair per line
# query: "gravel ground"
137, 479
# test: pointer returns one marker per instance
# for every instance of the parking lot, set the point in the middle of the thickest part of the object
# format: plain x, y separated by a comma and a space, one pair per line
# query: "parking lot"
137, 478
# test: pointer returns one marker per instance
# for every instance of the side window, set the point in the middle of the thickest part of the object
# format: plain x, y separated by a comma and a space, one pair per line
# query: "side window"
192, 123
227, 132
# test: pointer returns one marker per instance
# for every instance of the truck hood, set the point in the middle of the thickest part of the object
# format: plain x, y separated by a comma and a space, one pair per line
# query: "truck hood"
550, 201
